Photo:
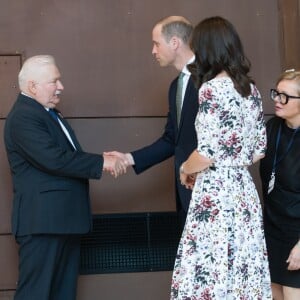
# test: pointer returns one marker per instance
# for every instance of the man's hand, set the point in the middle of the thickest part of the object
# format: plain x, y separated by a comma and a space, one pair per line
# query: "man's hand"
126, 158
114, 165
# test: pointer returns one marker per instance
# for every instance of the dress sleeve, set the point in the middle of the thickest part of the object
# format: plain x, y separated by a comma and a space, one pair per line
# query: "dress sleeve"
261, 135
209, 123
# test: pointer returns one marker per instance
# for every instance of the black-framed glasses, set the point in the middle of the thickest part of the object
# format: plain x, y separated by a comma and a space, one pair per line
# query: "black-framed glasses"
282, 97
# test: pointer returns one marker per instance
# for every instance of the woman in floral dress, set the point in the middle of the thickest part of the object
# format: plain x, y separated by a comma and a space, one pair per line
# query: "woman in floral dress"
222, 252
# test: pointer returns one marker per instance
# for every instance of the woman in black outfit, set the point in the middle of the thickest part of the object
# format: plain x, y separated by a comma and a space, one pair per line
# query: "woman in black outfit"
280, 174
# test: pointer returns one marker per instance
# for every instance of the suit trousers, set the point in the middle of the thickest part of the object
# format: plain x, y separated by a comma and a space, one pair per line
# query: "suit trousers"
48, 267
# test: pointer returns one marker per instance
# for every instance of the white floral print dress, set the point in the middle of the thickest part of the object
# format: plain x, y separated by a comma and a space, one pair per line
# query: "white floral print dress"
222, 252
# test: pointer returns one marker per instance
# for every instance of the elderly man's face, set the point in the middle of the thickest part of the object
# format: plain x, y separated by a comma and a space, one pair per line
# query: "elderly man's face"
49, 87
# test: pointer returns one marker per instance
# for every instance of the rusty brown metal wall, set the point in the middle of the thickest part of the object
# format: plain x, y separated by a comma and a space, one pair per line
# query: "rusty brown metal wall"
116, 98
289, 24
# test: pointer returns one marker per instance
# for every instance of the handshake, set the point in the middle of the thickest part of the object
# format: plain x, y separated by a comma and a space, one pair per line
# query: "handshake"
116, 163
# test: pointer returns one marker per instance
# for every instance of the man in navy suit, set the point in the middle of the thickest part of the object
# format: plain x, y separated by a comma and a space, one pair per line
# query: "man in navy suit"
50, 171
171, 38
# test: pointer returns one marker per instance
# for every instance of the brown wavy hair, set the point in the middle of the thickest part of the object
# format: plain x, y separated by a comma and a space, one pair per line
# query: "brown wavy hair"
218, 48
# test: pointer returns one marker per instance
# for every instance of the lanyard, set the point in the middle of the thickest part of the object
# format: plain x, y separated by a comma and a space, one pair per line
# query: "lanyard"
276, 162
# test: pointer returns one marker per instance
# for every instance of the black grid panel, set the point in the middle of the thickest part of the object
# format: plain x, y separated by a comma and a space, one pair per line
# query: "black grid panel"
141, 242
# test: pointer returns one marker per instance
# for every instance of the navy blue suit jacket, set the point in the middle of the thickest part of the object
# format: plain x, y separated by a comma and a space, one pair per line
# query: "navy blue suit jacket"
50, 178
178, 141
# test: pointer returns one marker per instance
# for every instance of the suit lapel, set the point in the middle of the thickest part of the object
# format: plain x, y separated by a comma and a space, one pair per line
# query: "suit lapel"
25, 100
70, 130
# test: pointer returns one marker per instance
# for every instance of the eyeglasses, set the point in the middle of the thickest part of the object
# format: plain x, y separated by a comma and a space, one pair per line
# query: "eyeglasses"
283, 97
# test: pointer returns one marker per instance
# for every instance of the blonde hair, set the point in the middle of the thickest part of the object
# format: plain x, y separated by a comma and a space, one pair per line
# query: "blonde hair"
292, 75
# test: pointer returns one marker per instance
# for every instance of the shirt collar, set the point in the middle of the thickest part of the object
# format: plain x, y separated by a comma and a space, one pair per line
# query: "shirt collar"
185, 69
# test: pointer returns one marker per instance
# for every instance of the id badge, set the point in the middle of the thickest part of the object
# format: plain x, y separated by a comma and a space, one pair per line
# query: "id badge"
271, 183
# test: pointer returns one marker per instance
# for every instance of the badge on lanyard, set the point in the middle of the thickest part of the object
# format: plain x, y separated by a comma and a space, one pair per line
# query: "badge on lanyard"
271, 183
277, 161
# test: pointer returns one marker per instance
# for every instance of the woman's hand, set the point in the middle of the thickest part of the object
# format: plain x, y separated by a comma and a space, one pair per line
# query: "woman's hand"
187, 180
193, 165
196, 163
294, 258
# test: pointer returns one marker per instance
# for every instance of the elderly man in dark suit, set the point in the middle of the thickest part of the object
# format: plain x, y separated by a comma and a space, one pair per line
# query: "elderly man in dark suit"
171, 37
50, 172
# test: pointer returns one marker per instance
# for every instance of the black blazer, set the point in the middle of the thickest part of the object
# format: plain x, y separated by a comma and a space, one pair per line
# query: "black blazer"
179, 142
50, 178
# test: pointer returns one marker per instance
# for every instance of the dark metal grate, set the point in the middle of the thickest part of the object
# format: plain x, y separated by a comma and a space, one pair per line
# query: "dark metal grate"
141, 242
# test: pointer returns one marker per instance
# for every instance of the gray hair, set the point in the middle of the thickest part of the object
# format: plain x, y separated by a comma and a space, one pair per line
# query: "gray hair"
32, 67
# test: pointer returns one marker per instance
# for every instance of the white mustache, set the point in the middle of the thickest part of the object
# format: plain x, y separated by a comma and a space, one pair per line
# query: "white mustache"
57, 93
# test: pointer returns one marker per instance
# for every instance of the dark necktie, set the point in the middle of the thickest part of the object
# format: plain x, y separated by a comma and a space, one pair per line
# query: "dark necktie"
53, 114
179, 96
